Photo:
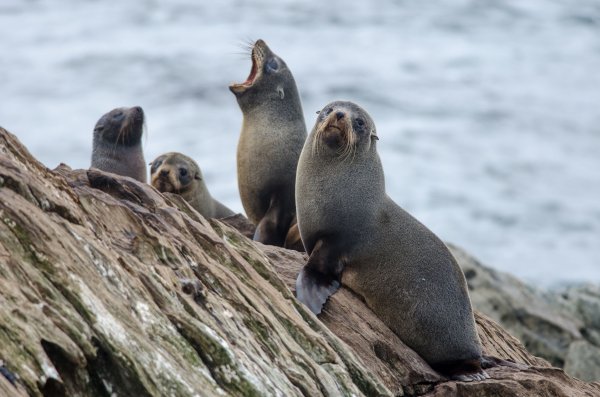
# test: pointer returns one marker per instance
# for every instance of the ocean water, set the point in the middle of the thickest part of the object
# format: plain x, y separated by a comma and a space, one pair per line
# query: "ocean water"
488, 111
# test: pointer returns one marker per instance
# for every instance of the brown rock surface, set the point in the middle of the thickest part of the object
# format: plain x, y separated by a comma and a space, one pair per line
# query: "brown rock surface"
109, 287
560, 325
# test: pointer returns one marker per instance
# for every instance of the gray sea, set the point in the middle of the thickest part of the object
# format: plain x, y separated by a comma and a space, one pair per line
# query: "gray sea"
488, 111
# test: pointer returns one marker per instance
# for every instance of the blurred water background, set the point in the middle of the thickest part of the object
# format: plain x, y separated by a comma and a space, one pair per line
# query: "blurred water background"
488, 111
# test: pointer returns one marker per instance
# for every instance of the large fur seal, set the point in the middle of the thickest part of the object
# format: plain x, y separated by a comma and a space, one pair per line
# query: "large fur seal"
273, 133
355, 234
177, 173
117, 146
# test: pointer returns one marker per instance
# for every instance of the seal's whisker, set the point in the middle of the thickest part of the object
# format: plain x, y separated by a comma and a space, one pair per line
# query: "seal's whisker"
316, 142
353, 154
241, 54
247, 45
115, 144
350, 146
123, 132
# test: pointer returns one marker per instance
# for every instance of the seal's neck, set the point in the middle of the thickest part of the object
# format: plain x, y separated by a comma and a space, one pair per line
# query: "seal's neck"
127, 161
276, 109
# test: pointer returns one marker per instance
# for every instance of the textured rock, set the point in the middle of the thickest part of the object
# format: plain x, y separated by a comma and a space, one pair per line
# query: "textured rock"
584, 301
108, 287
547, 322
583, 361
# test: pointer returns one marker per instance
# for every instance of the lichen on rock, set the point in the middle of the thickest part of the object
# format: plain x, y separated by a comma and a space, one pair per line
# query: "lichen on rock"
110, 288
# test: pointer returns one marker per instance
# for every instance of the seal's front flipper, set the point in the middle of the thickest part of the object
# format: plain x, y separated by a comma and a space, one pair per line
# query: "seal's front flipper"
273, 227
319, 278
293, 241
266, 232
313, 288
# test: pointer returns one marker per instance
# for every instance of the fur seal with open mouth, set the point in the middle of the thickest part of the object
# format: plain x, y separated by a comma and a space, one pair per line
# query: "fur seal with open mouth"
272, 136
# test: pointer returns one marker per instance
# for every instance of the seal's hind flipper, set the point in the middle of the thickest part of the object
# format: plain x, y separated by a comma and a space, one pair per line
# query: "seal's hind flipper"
474, 377
462, 370
313, 288
274, 225
319, 278
293, 241
491, 361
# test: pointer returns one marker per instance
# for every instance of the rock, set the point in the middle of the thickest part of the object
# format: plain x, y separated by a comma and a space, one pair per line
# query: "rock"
583, 361
584, 300
109, 287
241, 223
547, 322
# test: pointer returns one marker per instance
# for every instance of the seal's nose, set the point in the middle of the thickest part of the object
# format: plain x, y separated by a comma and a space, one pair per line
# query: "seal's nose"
164, 173
339, 115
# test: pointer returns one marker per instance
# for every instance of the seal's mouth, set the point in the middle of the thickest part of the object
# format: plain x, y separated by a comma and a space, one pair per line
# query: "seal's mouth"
130, 127
162, 182
336, 132
250, 80
137, 115
256, 57
162, 179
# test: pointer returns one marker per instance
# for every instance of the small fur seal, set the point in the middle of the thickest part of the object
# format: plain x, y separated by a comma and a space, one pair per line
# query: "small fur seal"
272, 136
177, 173
117, 145
356, 235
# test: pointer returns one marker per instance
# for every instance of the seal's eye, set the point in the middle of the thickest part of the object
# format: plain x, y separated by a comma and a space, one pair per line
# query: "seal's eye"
154, 165
118, 116
183, 172
360, 122
272, 65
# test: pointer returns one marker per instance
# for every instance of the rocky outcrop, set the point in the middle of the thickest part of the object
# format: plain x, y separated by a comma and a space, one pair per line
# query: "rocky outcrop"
562, 326
108, 287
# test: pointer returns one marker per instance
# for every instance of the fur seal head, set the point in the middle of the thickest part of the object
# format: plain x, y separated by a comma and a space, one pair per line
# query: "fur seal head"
117, 146
342, 130
269, 76
174, 173
177, 173
120, 126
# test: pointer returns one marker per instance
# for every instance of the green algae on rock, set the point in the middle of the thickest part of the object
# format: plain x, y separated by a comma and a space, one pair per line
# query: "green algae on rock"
108, 287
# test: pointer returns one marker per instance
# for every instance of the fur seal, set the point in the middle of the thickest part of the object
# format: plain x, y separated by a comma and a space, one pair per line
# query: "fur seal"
357, 236
177, 173
272, 136
117, 146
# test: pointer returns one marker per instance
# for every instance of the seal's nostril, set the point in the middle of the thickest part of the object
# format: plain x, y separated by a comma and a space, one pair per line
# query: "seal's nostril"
339, 115
164, 173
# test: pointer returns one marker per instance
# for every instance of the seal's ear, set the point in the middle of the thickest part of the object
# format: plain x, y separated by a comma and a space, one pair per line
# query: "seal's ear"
374, 135
197, 176
280, 92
